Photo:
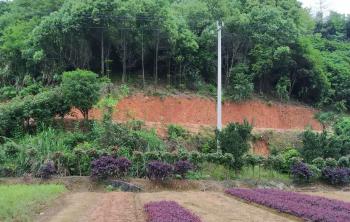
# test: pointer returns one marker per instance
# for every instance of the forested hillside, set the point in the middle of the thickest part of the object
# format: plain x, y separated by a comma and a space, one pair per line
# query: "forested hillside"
272, 47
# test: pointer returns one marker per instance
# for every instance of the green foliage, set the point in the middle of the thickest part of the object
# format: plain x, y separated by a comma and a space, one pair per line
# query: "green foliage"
17, 114
331, 162
290, 156
234, 139
20, 202
81, 90
322, 145
241, 86
319, 162
176, 131
344, 161
7, 92
342, 127
271, 46
282, 88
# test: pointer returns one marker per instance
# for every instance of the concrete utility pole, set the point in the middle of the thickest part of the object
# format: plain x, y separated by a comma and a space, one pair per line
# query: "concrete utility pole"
219, 104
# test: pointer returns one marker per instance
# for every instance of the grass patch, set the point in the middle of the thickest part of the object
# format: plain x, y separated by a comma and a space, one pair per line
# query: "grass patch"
22, 202
219, 172
262, 174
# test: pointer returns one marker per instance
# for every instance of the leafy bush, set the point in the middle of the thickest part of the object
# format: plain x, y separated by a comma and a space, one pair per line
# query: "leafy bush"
47, 170
7, 92
301, 172
276, 162
289, 154
182, 167
312, 145
342, 126
149, 140
336, 176
241, 86
81, 90
32, 89
234, 139
344, 161
107, 166
176, 131
159, 171
282, 88
42, 107
321, 145
330, 162
319, 162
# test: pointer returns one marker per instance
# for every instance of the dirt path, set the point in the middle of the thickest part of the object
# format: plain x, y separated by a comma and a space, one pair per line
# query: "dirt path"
337, 195
128, 207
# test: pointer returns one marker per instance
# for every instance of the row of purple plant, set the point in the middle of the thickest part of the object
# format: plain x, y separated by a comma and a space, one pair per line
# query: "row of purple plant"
310, 208
304, 173
166, 211
108, 166
157, 170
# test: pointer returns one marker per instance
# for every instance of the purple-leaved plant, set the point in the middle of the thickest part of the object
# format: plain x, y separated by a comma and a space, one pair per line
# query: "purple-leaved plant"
166, 211
310, 208
159, 171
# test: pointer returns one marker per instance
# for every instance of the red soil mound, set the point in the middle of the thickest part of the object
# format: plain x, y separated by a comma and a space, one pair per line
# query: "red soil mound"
196, 111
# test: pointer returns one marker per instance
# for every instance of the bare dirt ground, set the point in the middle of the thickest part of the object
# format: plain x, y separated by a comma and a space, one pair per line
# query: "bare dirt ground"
193, 112
128, 207
337, 195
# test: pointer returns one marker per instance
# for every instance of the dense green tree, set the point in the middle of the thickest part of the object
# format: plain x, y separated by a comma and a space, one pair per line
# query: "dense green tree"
284, 49
80, 90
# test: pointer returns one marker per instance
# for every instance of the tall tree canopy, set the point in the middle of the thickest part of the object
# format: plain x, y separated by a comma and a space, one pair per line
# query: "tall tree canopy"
271, 46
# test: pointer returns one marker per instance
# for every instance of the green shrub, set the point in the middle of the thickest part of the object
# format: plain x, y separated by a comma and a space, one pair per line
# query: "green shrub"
276, 162
241, 86
253, 160
150, 156
290, 156
196, 158
42, 108
322, 145
32, 89
81, 90
344, 161
150, 140
176, 131
7, 93
331, 162
234, 139
319, 162
342, 126
313, 145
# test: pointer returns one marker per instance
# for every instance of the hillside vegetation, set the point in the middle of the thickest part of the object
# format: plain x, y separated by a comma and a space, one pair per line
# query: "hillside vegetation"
59, 56
269, 46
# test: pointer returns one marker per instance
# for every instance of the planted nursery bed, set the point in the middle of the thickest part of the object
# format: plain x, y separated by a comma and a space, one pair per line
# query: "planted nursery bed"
310, 208
165, 211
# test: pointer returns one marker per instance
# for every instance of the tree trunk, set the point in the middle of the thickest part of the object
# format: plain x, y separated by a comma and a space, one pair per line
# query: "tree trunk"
156, 63
169, 81
102, 55
143, 62
124, 58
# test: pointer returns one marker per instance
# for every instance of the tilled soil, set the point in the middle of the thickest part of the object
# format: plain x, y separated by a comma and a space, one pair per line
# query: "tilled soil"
128, 207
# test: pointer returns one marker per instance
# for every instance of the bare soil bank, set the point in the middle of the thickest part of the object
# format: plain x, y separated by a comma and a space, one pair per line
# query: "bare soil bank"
194, 112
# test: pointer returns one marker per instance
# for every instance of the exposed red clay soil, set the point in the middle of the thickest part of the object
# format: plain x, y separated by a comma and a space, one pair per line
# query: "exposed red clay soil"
193, 112
261, 147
